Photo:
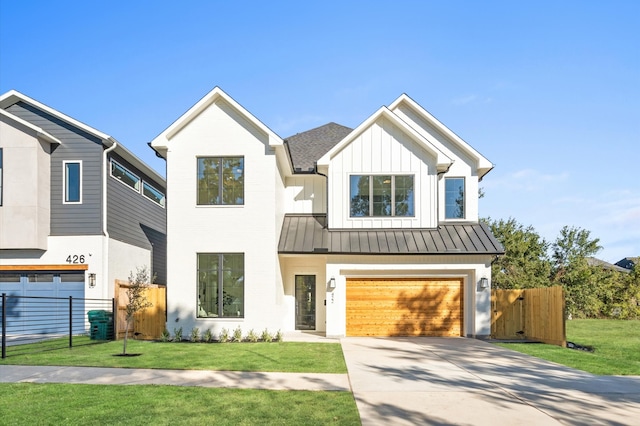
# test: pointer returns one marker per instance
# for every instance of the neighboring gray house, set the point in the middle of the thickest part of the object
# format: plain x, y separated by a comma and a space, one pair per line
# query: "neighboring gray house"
77, 209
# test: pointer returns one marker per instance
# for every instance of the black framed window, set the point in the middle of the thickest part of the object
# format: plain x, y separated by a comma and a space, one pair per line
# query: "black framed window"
220, 181
454, 198
381, 195
220, 285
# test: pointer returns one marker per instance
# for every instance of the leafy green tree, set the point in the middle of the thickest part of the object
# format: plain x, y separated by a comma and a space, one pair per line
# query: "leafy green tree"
582, 282
525, 263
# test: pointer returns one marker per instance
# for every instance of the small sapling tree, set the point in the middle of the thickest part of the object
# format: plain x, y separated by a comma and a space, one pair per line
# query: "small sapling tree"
138, 284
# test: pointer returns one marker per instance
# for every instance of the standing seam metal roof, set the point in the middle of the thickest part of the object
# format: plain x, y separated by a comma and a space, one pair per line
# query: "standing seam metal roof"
305, 234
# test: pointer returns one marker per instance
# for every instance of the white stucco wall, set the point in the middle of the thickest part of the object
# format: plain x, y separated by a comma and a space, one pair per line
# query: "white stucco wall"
25, 210
252, 228
123, 260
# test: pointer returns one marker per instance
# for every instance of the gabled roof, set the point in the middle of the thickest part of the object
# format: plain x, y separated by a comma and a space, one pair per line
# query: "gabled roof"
627, 262
307, 147
484, 165
307, 234
442, 160
37, 130
13, 97
160, 141
592, 261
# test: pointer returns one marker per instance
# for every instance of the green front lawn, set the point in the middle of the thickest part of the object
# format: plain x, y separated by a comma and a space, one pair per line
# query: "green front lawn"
31, 404
295, 357
616, 346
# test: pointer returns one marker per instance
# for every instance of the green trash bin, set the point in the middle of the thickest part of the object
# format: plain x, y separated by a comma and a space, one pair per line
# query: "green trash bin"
101, 325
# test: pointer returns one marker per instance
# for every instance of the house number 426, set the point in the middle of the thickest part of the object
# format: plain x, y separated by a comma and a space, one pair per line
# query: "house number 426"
75, 258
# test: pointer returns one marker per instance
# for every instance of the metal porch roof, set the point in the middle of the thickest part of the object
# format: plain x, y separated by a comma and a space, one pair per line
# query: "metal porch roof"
306, 234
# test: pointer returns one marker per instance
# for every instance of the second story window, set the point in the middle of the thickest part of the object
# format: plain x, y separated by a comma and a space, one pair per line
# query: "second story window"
125, 176
381, 195
454, 198
72, 182
220, 181
153, 194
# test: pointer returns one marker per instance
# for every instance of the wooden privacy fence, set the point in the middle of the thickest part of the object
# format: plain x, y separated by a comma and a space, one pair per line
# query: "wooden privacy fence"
530, 314
149, 323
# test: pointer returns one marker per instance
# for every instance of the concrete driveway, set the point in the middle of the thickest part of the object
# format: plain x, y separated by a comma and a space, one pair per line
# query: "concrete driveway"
457, 381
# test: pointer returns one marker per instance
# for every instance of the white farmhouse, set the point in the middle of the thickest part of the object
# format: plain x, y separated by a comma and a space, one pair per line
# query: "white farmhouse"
366, 231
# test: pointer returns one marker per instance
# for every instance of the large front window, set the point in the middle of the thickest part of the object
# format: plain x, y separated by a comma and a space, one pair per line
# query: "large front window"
220, 285
221, 181
381, 195
454, 198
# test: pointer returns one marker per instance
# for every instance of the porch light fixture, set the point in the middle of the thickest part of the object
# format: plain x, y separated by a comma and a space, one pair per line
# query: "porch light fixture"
92, 280
484, 283
332, 283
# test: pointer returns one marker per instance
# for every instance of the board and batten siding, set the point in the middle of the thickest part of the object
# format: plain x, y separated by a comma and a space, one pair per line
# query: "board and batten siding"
77, 145
381, 149
134, 219
305, 194
464, 166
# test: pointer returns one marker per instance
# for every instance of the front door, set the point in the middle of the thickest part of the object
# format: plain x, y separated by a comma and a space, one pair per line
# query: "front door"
305, 302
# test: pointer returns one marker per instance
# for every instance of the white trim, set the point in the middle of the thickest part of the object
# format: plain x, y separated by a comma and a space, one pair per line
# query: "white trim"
64, 181
484, 165
111, 161
160, 142
39, 132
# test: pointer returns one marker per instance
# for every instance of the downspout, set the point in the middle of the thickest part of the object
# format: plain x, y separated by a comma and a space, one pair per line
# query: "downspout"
105, 232
326, 193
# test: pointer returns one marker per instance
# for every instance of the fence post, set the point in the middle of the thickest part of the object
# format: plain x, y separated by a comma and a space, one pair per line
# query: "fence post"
70, 321
4, 325
115, 317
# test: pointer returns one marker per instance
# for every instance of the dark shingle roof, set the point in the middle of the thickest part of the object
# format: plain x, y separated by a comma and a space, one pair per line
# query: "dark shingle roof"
307, 234
307, 147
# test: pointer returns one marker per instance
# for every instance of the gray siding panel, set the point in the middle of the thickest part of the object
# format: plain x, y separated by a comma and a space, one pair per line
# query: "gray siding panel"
70, 219
134, 219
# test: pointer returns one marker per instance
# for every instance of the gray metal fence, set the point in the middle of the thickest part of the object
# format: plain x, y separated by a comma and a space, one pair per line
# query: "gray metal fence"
31, 319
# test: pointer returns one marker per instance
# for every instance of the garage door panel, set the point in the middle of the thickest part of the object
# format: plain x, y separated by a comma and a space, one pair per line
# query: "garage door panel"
404, 307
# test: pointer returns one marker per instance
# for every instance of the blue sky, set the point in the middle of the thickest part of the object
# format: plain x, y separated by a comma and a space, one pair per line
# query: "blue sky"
547, 90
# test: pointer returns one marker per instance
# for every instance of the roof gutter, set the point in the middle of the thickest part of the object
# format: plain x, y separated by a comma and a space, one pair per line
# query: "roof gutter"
105, 232
326, 192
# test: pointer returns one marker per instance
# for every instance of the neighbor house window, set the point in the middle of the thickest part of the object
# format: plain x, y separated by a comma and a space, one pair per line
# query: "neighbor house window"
220, 285
72, 182
0, 176
220, 181
381, 195
153, 194
454, 198
125, 176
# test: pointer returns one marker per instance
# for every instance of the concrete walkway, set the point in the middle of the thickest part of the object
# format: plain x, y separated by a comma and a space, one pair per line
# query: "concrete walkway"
457, 381
203, 378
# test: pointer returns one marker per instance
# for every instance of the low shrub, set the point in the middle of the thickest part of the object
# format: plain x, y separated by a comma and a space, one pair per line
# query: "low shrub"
165, 336
266, 336
252, 336
207, 337
177, 334
224, 336
237, 334
195, 334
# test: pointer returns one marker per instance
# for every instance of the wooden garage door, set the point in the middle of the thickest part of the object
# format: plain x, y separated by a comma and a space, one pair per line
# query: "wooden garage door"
404, 307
